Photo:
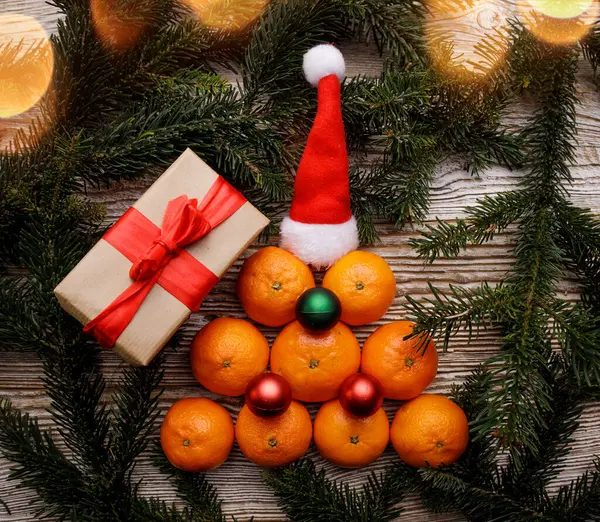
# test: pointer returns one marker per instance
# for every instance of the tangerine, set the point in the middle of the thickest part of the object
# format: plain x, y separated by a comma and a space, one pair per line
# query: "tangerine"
401, 366
315, 363
430, 430
274, 441
365, 284
270, 282
347, 440
227, 353
196, 434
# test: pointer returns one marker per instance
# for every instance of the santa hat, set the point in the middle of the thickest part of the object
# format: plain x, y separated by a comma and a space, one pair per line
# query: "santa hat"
321, 228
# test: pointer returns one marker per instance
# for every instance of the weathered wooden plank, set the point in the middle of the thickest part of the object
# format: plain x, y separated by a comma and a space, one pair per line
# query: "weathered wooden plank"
238, 481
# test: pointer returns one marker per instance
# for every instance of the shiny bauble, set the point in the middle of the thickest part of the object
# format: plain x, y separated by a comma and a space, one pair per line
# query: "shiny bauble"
318, 309
361, 395
268, 395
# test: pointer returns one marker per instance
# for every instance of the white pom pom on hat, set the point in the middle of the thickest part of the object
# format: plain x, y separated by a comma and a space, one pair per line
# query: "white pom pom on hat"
319, 245
320, 227
323, 60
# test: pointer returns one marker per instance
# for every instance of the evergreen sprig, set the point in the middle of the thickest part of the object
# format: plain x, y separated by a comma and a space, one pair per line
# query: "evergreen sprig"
200, 497
483, 489
458, 309
524, 304
307, 495
527, 399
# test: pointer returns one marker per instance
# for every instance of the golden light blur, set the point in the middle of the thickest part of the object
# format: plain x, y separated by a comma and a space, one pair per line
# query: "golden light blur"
466, 39
26, 64
115, 27
230, 15
561, 22
561, 8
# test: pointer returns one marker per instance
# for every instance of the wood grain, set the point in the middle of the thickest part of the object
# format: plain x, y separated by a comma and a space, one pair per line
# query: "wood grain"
238, 482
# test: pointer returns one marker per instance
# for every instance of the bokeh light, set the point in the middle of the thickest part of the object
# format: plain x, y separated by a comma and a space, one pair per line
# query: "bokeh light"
26, 64
467, 39
561, 8
230, 15
560, 22
119, 25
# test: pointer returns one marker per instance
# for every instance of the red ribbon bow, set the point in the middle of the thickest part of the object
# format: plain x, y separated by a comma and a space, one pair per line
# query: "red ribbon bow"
158, 257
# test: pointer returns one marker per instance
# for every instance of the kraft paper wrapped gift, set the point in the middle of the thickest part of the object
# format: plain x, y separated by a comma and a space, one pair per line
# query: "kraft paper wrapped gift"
101, 281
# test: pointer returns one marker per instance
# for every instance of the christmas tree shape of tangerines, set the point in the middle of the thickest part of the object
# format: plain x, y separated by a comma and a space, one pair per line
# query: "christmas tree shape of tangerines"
230, 356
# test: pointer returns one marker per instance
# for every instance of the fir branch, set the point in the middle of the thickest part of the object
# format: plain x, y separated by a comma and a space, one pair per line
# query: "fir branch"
525, 480
82, 87
305, 494
39, 464
516, 410
386, 114
447, 313
104, 443
493, 214
443, 240
75, 388
369, 191
466, 117
394, 26
577, 330
412, 201
521, 401
476, 502
579, 238
272, 62
478, 463
135, 413
590, 45
483, 491
550, 136
200, 497
580, 500
242, 148
20, 327
376, 108
538, 264
155, 510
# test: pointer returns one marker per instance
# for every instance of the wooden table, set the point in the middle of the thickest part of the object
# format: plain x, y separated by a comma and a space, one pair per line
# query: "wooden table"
238, 482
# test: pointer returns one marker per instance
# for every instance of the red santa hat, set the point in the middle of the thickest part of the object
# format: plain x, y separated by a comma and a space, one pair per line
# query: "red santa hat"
321, 228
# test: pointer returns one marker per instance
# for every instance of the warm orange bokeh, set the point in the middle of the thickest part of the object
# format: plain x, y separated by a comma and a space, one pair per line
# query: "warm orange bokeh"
18, 132
561, 22
26, 64
116, 28
457, 33
561, 8
231, 15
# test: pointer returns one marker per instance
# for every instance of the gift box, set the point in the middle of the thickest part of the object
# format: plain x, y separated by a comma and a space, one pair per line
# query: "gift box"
155, 265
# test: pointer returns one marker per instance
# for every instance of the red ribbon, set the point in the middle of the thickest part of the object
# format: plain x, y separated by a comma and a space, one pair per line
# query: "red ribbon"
157, 256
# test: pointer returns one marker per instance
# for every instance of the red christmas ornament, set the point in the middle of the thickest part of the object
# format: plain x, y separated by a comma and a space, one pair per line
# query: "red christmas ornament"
361, 395
268, 395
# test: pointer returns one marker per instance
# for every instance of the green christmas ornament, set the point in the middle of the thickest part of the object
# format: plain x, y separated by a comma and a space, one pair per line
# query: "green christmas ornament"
318, 309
